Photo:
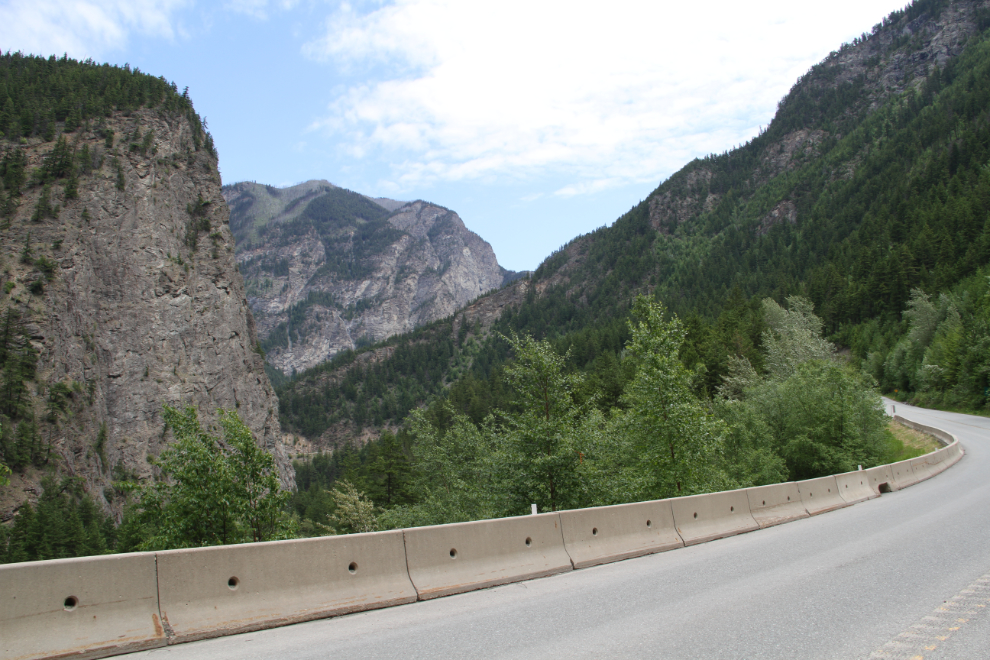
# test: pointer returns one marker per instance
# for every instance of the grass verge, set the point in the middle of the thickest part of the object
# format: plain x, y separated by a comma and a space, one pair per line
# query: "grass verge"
904, 443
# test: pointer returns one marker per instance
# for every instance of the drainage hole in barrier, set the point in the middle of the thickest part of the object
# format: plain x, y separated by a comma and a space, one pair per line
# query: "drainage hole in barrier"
453, 553
696, 515
764, 502
649, 523
529, 541
788, 498
830, 490
352, 567
731, 509
594, 531
232, 583
70, 603
884, 488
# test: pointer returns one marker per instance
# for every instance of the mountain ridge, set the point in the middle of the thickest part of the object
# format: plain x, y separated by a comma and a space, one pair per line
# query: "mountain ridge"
329, 270
816, 205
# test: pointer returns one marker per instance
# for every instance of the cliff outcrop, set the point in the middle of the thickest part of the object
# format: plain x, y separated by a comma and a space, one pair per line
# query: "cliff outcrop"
130, 292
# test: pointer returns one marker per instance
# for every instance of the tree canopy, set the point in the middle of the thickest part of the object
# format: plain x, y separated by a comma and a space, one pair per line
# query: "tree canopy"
214, 490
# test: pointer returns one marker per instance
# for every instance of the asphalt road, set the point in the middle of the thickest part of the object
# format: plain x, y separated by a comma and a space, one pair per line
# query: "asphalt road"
906, 575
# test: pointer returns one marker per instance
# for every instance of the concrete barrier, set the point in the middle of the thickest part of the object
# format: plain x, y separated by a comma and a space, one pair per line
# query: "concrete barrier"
775, 504
450, 559
943, 437
701, 518
89, 607
610, 533
902, 475
955, 453
880, 479
208, 592
921, 468
821, 495
937, 460
95, 607
948, 455
855, 487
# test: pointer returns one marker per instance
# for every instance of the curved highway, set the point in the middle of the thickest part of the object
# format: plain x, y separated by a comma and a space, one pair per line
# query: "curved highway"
906, 575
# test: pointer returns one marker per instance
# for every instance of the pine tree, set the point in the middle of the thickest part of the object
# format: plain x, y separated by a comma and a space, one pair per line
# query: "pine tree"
540, 440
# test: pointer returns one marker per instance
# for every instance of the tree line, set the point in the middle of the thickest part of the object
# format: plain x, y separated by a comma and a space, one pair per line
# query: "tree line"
551, 440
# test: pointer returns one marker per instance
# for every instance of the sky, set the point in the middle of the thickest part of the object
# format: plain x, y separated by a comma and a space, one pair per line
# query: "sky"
536, 120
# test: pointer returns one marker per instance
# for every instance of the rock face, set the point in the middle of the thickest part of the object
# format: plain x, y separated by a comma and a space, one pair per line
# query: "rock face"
145, 307
329, 270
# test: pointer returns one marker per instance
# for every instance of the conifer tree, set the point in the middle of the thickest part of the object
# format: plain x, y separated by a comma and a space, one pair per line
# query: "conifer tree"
540, 441
678, 440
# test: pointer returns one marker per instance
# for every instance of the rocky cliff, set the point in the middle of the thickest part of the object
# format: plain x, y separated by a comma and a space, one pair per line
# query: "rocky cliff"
130, 292
328, 269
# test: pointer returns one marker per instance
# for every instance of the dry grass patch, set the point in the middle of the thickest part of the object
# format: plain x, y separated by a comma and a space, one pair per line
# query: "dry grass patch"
905, 442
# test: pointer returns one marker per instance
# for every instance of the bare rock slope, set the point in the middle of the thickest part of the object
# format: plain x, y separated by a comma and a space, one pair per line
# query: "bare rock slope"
328, 269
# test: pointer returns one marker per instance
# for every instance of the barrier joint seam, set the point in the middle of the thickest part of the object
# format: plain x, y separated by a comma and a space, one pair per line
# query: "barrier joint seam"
563, 541
166, 626
405, 556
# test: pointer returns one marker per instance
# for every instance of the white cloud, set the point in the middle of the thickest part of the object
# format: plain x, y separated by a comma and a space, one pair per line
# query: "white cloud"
605, 93
254, 8
258, 9
586, 187
82, 28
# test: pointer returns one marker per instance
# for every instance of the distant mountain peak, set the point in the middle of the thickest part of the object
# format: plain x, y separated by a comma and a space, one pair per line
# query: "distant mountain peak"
329, 270
388, 204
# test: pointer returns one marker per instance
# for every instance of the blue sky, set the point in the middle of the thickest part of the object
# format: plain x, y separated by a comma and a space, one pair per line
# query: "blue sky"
535, 120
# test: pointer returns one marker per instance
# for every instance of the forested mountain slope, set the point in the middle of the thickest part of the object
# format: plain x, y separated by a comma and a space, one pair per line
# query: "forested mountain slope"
872, 180
329, 270
119, 290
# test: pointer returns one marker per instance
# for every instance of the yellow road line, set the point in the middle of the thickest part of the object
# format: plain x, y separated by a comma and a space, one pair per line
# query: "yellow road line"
935, 628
